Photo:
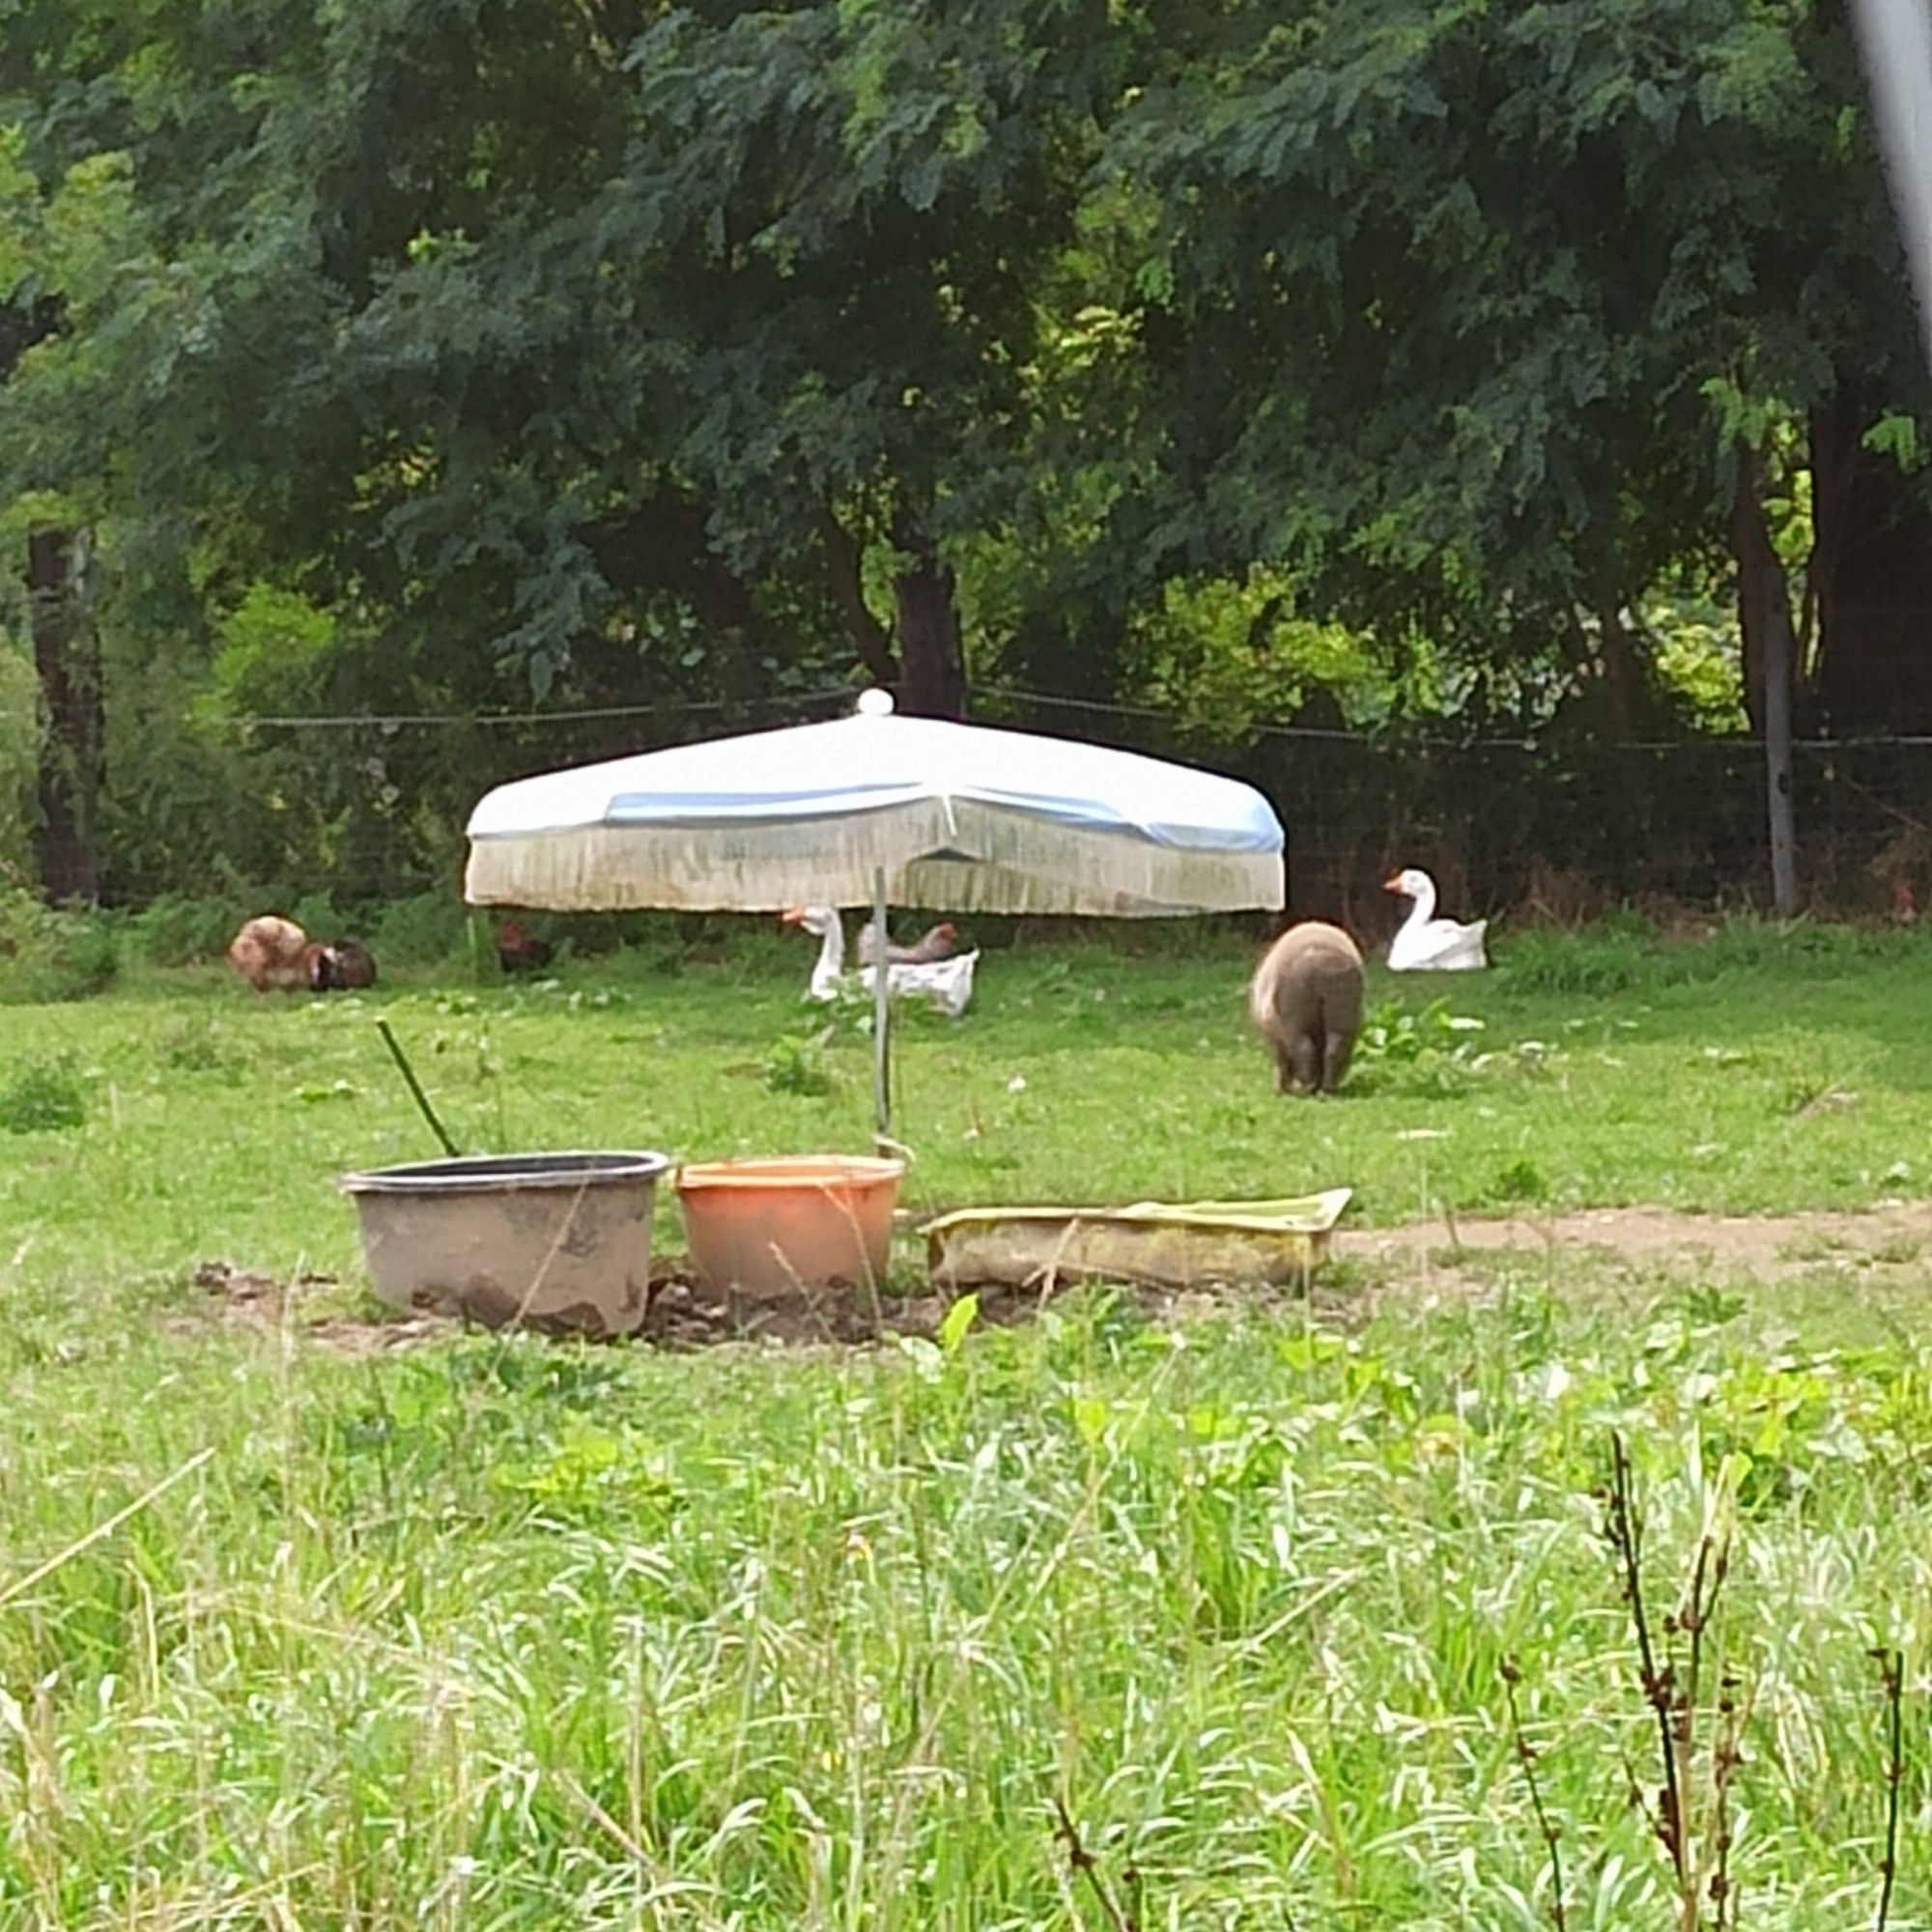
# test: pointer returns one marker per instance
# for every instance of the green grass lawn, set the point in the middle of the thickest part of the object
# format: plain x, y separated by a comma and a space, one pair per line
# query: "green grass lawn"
1747, 1074
502, 1633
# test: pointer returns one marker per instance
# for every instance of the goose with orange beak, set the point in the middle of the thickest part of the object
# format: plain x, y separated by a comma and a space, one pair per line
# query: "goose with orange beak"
1427, 943
946, 983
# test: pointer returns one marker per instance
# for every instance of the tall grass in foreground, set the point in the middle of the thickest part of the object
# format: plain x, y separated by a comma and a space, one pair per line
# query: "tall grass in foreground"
499, 1633
510, 1634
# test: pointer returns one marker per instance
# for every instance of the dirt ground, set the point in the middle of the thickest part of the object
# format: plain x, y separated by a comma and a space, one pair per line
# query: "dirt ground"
1770, 1248
1445, 1253
681, 1314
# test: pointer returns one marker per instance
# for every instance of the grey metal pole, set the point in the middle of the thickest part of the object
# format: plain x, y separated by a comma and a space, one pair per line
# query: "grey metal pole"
1778, 676
882, 1079
1895, 39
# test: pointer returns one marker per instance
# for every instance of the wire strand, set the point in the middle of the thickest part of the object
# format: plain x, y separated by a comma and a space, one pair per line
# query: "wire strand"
1447, 741
395, 721
1399, 740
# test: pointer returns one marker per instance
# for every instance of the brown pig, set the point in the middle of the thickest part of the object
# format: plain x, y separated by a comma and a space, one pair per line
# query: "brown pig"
1306, 998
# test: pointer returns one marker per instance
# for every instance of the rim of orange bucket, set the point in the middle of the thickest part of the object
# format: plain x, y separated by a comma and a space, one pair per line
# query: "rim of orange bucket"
788, 1170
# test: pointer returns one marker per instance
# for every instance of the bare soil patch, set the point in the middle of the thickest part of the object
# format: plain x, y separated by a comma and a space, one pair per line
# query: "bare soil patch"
1770, 1248
1437, 1253
237, 1297
682, 1314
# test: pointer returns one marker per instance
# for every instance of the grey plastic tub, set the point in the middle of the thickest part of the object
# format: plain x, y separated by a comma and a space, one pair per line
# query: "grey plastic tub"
555, 1241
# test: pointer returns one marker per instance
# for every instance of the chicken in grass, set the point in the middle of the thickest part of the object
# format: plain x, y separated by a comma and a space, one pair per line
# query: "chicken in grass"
520, 951
936, 943
342, 966
946, 983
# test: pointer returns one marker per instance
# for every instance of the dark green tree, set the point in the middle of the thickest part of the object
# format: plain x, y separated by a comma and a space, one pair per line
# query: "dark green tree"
1483, 321
599, 342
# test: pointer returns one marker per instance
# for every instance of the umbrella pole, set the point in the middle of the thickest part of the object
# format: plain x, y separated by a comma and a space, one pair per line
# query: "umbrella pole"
882, 1095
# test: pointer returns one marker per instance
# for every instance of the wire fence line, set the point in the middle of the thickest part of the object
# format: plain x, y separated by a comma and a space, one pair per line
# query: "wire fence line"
1395, 738
1398, 737
396, 721
1561, 825
1555, 822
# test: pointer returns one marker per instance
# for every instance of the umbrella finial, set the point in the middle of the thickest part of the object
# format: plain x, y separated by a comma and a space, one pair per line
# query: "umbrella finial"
875, 703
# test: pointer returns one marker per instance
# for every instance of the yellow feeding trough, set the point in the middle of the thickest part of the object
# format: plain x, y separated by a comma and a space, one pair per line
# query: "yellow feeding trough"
1161, 1243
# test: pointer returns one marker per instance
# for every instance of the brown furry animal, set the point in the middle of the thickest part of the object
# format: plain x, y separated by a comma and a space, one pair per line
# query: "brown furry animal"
1306, 998
342, 966
272, 954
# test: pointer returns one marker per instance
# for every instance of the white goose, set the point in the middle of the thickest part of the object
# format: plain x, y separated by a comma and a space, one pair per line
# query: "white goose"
1427, 943
947, 982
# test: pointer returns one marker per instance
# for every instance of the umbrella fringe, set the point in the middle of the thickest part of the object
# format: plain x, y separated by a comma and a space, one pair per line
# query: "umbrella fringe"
977, 858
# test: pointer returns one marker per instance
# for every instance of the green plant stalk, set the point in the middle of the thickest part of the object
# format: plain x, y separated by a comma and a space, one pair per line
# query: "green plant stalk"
417, 1092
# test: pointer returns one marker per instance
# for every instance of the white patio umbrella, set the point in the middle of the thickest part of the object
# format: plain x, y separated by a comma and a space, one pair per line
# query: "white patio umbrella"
881, 810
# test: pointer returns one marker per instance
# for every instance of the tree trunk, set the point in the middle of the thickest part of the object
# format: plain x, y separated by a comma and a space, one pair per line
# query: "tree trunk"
1624, 690
1764, 616
1624, 709
932, 674
69, 664
1873, 566
871, 644
661, 543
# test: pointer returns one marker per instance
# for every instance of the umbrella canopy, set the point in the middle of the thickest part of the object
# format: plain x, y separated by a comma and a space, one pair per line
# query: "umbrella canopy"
956, 816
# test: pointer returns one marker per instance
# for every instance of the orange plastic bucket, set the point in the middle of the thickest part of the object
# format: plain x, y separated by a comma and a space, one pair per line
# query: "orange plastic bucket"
770, 1226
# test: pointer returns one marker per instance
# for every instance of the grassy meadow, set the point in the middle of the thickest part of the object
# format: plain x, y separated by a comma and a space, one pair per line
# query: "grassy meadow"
492, 1632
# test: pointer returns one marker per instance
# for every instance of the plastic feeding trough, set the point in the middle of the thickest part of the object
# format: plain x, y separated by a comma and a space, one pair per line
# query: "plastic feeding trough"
555, 1241
762, 1229
1164, 1244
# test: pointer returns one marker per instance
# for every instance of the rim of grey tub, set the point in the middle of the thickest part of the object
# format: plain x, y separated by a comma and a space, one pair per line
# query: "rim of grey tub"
474, 1173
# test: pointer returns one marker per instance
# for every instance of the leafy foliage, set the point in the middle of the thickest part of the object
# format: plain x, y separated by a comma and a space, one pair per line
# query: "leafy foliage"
442, 359
53, 954
798, 1063
1426, 1051
1510, 256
